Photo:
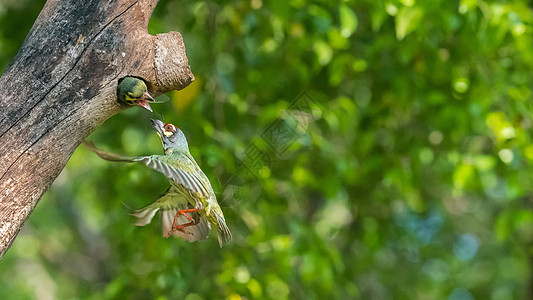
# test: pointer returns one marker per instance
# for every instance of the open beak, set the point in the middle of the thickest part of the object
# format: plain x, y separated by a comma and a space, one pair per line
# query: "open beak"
145, 100
158, 125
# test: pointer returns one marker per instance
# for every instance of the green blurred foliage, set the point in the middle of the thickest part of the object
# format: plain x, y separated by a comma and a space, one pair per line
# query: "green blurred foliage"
407, 177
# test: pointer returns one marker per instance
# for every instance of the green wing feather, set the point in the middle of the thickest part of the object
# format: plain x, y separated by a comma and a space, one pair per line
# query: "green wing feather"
161, 164
187, 179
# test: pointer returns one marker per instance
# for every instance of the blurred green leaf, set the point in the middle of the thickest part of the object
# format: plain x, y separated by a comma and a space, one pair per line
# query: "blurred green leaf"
407, 20
348, 21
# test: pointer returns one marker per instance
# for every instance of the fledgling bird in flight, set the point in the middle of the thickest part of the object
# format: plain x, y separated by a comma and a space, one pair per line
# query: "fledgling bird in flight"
189, 207
133, 91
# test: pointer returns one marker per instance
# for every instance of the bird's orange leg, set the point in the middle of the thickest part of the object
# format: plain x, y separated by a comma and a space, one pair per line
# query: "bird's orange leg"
183, 226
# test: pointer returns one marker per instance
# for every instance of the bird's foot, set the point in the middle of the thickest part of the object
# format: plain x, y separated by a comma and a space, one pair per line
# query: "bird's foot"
178, 228
183, 226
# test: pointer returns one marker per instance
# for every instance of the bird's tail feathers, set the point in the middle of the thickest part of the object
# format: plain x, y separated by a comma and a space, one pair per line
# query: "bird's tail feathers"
224, 234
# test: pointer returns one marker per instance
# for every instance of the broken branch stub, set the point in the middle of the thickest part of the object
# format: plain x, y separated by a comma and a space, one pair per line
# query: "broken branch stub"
172, 67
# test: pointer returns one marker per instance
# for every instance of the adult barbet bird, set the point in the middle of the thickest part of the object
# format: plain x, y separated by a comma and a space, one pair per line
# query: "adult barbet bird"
133, 91
190, 200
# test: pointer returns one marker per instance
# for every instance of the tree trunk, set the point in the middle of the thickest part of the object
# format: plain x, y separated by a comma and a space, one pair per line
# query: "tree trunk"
62, 85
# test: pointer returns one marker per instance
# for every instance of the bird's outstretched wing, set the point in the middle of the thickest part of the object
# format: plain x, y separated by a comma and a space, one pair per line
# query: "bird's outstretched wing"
109, 155
159, 163
189, 180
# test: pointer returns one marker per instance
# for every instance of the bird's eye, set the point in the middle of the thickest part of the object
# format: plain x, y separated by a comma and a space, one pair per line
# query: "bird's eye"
169, 127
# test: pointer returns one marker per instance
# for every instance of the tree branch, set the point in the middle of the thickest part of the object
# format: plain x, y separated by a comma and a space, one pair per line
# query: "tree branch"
62, 85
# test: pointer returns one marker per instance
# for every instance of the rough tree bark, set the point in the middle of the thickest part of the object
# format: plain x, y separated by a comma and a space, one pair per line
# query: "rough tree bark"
62, 85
